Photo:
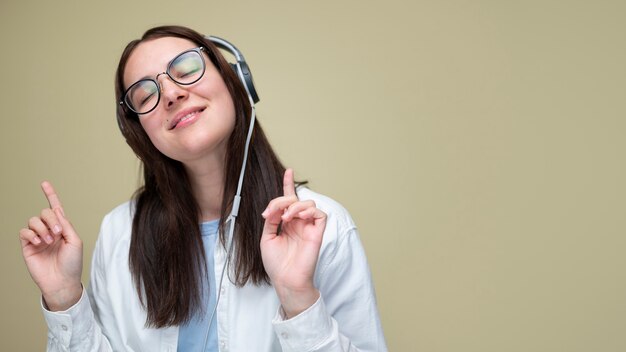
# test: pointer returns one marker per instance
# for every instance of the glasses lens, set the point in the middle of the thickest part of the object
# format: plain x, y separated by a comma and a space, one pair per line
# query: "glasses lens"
187, 67
143, 96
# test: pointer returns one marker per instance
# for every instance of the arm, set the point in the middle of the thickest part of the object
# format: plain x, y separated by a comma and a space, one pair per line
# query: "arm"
345, 318
53, 254
75, 329
339, 313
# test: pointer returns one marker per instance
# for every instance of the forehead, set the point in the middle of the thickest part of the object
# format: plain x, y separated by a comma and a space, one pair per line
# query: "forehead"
151, 57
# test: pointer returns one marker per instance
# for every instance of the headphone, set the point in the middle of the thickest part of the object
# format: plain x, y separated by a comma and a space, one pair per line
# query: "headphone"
241, 67
245, 76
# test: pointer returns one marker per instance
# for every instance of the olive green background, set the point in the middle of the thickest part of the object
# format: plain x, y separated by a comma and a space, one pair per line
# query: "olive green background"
479, 145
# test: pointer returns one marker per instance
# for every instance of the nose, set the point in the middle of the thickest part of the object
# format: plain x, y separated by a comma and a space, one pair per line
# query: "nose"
171, 93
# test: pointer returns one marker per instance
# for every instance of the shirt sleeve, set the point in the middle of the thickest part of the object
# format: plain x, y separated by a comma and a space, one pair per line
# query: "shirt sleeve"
311, 330
74, 329
345, 317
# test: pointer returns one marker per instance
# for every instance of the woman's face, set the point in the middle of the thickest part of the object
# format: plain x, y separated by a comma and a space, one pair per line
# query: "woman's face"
191, 122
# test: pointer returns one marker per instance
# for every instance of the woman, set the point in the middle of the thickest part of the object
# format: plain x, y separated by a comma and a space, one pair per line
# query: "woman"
291, 275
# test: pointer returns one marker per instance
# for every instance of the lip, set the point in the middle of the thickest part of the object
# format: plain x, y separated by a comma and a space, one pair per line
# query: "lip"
179, 116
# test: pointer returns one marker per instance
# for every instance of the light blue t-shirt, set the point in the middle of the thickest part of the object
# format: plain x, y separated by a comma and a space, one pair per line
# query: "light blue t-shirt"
191, 335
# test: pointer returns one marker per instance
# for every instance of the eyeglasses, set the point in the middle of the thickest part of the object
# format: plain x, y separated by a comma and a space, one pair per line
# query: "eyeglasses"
186, 68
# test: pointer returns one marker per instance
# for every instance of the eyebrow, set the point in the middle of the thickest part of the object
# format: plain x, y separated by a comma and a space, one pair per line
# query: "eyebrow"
166, 66
150, 77
145, 77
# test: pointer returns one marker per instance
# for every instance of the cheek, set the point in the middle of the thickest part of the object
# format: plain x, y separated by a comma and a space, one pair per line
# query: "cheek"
222, 105
152, 128
149, 125
228, 107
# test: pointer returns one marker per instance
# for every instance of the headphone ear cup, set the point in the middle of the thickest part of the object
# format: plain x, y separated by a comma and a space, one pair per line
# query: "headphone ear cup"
247, 79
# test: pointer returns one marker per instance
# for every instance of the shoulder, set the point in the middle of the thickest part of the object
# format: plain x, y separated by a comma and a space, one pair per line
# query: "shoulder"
337, 215
116, 225
120, 216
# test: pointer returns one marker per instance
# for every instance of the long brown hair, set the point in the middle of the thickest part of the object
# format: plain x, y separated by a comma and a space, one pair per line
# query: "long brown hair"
166, 256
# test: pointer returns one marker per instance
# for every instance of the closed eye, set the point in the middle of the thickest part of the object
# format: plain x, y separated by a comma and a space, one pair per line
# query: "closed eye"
191, 72
146, 99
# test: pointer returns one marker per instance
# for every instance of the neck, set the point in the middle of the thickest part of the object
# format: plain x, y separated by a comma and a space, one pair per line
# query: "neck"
207, 184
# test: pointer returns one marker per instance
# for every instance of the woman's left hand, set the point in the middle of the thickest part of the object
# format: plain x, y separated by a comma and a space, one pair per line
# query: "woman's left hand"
290, 256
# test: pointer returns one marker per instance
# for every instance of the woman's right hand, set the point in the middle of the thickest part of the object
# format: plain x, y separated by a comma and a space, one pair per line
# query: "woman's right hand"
53, 253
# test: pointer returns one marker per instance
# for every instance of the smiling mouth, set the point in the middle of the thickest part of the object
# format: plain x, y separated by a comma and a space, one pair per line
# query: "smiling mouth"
184, 118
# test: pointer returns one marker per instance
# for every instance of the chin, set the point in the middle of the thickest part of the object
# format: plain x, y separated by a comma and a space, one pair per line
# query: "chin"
200, 148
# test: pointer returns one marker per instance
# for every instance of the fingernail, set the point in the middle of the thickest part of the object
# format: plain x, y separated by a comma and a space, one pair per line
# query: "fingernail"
36, 240
56, 229
264, 213
49, 239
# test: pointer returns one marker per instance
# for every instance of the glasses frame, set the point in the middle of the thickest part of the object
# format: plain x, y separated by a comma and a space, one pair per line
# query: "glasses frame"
124, 102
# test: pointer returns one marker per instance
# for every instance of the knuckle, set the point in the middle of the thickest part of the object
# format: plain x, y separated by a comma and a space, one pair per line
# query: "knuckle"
25, 233
34, 221
271, 204
279, 203
46, 213
303, 205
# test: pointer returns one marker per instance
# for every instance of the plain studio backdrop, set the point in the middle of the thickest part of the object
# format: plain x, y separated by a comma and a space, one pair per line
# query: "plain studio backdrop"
479, 146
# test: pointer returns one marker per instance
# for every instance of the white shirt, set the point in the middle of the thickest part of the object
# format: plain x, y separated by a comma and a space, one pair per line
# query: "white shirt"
109, 317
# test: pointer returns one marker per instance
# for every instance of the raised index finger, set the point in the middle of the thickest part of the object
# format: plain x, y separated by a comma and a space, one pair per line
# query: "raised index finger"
289, 188
51, 195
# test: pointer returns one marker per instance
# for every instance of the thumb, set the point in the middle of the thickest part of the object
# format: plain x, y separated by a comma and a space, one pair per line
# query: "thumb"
68, 232
272, 223
270, 228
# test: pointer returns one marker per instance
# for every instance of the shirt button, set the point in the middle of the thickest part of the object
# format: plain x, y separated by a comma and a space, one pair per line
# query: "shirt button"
284, 335
64, 327
223, 290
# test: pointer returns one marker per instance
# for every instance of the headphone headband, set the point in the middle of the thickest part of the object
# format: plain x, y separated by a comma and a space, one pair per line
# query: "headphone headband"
241, 67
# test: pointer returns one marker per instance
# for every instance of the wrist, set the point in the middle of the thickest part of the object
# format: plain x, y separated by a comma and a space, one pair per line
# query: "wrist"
62, 299
296, 301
